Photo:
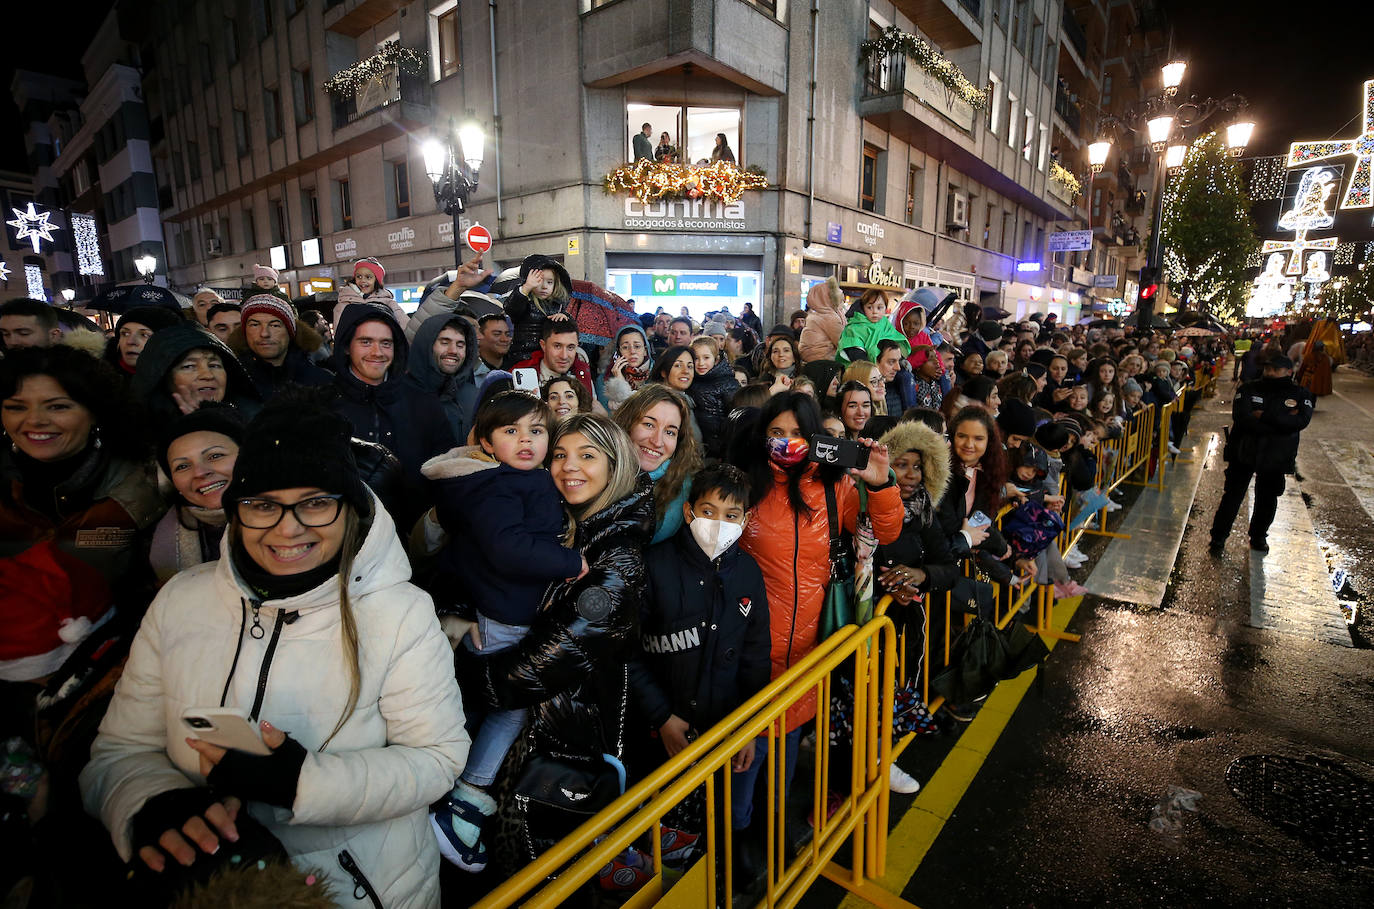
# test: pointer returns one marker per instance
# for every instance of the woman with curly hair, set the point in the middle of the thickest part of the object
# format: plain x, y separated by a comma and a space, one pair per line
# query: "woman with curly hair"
658, 421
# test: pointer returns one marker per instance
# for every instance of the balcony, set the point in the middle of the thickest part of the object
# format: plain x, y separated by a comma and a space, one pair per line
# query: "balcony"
1074, 34
391, 87
1068, 110
737, 41
893, 77
353, 17
951, 24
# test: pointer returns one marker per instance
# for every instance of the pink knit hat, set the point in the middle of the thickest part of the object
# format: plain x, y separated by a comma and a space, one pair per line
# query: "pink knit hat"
264, 271
373, 266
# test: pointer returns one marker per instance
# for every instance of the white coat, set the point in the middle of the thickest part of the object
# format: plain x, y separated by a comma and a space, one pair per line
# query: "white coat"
367, 793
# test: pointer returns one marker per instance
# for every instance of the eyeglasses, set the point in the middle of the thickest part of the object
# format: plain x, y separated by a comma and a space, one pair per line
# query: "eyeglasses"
264, 514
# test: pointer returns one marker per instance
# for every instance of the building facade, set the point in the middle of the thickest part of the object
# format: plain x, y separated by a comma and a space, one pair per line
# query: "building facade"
878, 169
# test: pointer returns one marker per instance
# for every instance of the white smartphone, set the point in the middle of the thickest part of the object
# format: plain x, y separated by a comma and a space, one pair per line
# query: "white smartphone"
227, 727
526, 380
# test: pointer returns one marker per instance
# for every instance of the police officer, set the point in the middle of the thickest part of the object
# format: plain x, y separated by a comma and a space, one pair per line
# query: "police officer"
1268, 415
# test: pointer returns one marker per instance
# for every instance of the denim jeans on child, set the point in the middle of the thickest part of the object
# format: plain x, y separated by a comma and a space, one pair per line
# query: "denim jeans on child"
743, 785
499, 728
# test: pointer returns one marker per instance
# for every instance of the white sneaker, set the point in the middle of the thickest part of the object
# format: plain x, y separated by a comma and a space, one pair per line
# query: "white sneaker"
1112, 506
1173, 449
898, 780
1075, 555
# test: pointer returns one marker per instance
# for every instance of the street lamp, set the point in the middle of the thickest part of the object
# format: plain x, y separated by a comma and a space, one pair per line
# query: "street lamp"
1097, 154
1238, 136
1172, 76
1173, 157
453, 171
1159, 129
146, 265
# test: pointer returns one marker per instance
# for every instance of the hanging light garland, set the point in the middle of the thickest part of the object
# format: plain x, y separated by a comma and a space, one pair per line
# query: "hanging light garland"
719, 181
893, 41
1064, 177
406, 59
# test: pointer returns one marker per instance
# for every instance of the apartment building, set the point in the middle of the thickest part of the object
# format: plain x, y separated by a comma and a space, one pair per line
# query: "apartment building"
878, 171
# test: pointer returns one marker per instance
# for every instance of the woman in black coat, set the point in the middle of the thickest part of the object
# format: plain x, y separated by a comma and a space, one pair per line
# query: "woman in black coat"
183, 365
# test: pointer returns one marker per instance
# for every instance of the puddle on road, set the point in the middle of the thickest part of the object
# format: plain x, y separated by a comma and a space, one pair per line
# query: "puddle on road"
1319, 802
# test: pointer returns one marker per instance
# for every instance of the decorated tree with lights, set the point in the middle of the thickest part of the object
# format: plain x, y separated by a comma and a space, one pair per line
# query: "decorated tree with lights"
1350, 298
1208, 236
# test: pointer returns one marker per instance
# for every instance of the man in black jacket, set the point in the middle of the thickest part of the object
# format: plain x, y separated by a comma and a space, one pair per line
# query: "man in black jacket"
1269, 414
370, 359
275, 347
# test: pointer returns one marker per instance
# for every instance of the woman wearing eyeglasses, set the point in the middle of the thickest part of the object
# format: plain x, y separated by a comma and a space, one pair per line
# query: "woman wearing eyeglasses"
308, 625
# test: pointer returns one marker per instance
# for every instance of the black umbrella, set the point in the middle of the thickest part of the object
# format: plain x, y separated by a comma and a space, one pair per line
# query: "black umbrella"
1191, 319
995, 313
323, 301
1156, 321
1104, 323
118, 299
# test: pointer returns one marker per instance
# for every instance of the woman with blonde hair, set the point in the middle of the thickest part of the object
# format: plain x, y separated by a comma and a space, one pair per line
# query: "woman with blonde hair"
866, 371
657, 420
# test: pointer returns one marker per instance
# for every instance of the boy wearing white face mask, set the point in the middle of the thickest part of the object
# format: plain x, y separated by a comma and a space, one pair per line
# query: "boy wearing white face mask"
704, 626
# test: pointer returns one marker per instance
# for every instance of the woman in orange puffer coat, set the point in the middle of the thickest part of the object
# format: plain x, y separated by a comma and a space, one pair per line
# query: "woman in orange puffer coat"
788, 532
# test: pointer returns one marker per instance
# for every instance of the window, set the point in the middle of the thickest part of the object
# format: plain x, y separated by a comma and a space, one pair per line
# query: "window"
995, 108
343, 211
303, 93
1027, 251
231, 40
1044, 146
400, 189
1037, 44
178, 172
691, 131
913, 194
241, 132
1011, 120
1007, 241
987, 225
226, 245
1018, 24
271, 108
1097, 203
216, 151
868, 191
1028, 148
193, 157
448, 58
278, 222
262, 18
250, 230
310, 209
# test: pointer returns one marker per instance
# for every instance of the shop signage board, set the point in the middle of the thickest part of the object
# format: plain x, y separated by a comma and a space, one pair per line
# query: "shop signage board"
1104, 281
1071, 241
684, 214
670, 284
833, 232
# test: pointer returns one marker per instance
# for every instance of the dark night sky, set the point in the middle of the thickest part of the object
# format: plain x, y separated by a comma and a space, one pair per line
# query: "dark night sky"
1301, 67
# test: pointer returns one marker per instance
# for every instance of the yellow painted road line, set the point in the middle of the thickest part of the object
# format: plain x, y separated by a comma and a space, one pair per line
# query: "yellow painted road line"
915, 833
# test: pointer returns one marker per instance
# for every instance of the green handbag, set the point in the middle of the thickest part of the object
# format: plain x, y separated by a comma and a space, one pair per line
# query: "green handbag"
837, 610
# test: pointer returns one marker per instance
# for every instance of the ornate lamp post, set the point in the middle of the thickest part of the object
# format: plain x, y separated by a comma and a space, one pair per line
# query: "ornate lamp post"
146, 265
453, 168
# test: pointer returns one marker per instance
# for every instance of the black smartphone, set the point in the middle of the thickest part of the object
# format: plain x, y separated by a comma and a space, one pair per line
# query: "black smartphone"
840, 452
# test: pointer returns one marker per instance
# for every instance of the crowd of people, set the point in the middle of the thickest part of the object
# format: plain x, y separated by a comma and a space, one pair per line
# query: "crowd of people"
422, 570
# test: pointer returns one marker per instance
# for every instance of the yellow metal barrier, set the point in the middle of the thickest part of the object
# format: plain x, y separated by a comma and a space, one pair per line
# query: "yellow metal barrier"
861, 819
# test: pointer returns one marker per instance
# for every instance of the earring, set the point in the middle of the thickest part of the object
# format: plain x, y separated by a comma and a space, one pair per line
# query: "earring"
95, 434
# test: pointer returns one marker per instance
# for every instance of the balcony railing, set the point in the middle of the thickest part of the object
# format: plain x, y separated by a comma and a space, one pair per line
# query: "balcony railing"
974, 7
1068, 110
884, 75
388, 87
1074, 32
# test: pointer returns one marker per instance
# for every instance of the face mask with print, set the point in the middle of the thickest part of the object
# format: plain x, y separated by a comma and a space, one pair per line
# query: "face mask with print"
714, 537
787, 452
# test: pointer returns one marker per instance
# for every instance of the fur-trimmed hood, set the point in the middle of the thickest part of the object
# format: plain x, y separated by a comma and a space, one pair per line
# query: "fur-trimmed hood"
826, 295
912, 436
463, 461
307, 339
92, 342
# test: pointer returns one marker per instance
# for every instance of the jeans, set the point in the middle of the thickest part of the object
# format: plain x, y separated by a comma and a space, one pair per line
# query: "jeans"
499, 728
743, 785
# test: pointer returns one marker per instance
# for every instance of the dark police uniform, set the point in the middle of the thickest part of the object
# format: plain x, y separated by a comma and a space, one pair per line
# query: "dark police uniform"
1268, 415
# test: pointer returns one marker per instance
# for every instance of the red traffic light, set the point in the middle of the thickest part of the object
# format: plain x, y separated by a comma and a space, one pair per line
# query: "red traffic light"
1148, 291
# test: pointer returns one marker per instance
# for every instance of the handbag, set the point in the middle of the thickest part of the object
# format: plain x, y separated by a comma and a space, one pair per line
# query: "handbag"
557, 793
973, 596
984, 655
837, 610
1031, 528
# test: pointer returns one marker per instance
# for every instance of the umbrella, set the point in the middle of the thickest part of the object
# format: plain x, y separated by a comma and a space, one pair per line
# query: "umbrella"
1196, 331
1156, 321
995, 313
1104, 323
470, 302
323, 301
598, 312
119, 299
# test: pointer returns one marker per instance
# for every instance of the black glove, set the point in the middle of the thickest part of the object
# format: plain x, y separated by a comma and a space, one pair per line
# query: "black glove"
168, 811
268, 778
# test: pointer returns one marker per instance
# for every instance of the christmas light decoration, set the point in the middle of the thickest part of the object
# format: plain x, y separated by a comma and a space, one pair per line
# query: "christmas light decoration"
1309, 211
32, 225
1297, 248
405, 59
895, 41
1064, 177
4, 273
1267, 178
33, 276
87, 245
1272, 292
1359, 193
719, 181
1345, 254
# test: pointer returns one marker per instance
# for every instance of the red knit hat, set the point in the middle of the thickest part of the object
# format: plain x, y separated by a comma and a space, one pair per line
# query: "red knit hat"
271, 305
373, 266
50, 601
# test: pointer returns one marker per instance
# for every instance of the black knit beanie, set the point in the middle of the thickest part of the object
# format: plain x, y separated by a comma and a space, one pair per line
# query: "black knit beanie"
208, 417
154, 317
293, 444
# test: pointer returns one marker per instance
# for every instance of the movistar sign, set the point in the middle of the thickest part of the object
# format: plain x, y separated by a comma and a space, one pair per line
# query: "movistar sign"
696, 284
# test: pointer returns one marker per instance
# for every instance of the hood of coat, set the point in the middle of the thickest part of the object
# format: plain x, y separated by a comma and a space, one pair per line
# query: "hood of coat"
463, 461
381, 562
92, 342
632, 516
905, 306
826, 296
539, 261
934, 451
422, 367
615, 348
166, 347
721, 372
355, 315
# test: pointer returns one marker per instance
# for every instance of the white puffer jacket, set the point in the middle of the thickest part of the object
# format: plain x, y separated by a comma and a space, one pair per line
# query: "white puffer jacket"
367, 793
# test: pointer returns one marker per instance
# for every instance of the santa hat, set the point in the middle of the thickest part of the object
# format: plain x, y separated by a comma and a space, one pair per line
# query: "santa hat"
264, 271
271, 305
373, 266
50, 601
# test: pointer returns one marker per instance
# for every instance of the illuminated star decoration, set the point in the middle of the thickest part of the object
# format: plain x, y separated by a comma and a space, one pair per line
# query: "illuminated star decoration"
4, 273
1358, 194
32, 226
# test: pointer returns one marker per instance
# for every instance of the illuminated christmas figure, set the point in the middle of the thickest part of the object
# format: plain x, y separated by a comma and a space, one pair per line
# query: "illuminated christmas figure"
32, 225
1358, 194
1273, 289
1309, 211
1297, 248
1316, 269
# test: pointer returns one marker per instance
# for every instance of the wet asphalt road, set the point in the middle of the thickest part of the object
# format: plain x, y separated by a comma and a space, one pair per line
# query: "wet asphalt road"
1171, 695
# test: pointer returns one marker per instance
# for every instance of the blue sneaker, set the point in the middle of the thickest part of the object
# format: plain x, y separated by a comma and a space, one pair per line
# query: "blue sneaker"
458, 821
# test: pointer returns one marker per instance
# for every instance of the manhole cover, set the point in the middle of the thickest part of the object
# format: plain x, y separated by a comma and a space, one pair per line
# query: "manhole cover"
1319, 802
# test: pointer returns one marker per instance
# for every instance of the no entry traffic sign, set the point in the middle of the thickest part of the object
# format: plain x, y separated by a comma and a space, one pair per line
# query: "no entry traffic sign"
478, 238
